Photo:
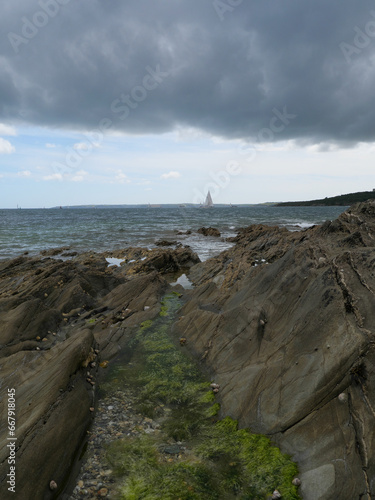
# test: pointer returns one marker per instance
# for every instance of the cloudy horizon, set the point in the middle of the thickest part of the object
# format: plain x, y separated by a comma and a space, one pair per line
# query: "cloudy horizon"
157, 102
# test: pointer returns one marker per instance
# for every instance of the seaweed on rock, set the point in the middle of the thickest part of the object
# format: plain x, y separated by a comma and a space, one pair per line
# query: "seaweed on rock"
223, 462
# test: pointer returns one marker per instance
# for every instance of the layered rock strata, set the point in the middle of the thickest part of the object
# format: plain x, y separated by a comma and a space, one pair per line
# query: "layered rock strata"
61, 321
285, 323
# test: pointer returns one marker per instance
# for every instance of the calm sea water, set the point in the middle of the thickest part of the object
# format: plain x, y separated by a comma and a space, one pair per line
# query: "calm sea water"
108, 229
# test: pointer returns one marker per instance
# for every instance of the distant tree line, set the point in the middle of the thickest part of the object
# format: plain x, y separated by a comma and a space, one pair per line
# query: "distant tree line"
342, 200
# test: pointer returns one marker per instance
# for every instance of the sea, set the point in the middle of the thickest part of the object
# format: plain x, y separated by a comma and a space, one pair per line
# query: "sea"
108, 229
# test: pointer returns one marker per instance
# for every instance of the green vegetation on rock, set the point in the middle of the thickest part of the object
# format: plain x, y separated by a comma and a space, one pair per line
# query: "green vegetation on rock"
223, 462
146, 324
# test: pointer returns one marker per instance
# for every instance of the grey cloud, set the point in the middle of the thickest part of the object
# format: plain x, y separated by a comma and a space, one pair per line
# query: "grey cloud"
224, 76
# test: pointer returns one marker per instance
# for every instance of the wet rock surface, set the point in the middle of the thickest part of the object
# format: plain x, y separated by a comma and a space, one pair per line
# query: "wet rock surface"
285, 323
209, 231
62, 320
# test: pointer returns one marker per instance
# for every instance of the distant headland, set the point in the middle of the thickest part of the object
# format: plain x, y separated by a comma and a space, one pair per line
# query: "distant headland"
342, 200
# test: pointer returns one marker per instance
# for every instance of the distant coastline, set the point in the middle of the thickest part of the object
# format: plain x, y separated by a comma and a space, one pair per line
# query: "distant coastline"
162, 205
342, 200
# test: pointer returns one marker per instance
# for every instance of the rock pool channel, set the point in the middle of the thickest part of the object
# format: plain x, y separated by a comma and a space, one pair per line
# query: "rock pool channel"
157, 434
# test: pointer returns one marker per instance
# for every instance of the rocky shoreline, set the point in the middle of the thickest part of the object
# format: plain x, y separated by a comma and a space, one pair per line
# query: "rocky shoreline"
61, 319
283, 321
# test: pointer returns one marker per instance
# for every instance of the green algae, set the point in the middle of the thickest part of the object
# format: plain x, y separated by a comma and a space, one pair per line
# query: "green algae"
146, 324
224, 462
164, 308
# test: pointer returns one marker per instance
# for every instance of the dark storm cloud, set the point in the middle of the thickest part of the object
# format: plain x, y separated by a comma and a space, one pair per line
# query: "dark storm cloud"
220, 65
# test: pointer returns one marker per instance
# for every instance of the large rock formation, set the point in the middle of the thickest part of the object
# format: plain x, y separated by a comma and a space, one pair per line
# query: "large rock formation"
59, 321
285, 323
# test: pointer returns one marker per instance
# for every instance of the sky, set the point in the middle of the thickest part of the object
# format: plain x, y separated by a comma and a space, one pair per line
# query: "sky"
159, 101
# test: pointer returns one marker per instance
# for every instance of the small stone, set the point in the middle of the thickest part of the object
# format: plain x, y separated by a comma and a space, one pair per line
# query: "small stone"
52, 485
103, 364
172, 449
146, 308
92, 408
54, 333
103, 492
38, 338
38, 348
276, 494
342, 397
80, 484
296, 481
46, 294
45, 339
107, 472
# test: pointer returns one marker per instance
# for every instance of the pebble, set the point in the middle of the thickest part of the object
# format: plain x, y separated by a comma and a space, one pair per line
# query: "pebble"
52, 485
343, 397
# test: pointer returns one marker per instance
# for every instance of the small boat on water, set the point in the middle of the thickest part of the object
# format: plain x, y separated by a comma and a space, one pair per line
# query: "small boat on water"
208, 203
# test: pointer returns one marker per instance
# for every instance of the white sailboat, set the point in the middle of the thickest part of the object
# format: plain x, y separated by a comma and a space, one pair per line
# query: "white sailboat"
208, 203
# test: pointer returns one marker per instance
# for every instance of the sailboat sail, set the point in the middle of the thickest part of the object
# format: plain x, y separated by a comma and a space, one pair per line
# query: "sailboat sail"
208, 203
